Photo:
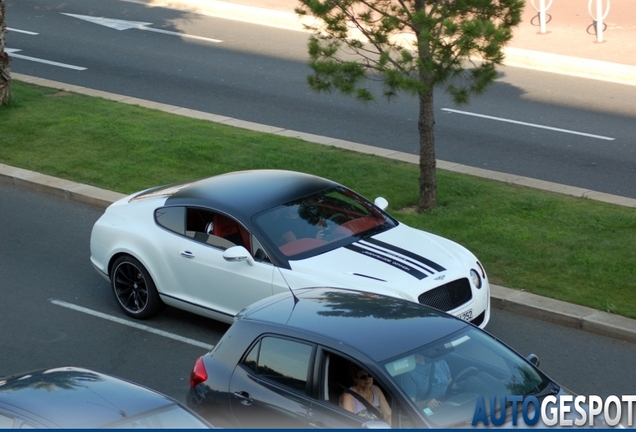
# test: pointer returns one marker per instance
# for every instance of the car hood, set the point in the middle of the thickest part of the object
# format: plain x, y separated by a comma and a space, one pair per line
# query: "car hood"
56, 396
401, 259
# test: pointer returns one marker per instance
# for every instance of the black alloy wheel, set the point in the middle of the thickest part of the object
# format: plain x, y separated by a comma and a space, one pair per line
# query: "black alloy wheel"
134, 289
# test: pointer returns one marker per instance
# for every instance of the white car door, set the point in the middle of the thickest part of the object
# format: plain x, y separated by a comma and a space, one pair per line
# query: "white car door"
214, 283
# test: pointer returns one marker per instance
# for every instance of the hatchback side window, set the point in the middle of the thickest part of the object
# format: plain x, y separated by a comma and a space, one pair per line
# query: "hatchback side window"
337, 378
283, 361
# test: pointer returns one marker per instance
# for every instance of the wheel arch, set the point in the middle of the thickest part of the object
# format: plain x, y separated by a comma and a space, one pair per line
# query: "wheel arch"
126, 252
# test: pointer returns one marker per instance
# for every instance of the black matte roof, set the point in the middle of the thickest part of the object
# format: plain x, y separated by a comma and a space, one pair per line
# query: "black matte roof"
245, 193
379, 326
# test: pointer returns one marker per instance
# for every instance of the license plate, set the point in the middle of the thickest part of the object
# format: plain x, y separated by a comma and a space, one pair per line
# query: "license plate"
466, 316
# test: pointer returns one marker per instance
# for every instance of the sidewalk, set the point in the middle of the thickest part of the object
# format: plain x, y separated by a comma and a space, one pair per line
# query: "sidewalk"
569, 45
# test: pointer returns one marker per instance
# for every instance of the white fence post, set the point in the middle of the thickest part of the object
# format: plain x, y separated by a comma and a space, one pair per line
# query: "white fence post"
542, 11
600, 16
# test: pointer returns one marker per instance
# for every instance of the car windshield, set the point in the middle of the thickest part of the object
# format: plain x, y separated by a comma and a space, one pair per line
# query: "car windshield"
445, 379
312, 223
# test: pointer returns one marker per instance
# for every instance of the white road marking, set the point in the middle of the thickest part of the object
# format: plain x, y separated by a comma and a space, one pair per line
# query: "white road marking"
15, 30
13, 51
132, 324
601, 137
118, 24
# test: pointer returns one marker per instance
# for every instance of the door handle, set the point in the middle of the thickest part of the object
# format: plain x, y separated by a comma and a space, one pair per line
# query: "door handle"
187, 254
244, 397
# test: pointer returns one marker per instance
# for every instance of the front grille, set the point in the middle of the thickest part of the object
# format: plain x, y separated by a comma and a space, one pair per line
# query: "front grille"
448, 296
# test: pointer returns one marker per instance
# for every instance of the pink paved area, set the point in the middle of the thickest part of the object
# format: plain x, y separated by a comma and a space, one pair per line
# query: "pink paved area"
569, 31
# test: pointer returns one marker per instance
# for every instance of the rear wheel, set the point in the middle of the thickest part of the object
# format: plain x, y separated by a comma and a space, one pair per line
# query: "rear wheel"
134, 289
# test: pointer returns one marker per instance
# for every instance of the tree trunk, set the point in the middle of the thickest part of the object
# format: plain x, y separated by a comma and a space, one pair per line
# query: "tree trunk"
5, 75
428, 180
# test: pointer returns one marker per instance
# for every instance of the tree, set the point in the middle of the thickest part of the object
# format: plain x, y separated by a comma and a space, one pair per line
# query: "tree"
5, 75
409, 46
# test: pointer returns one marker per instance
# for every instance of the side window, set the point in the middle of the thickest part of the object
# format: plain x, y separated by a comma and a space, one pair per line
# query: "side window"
215, 229
171, 218
284, 361
337, 376
251, 360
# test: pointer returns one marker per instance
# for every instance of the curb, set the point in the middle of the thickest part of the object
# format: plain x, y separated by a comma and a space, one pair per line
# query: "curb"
571, 66
520, 302
562, 313
58, 187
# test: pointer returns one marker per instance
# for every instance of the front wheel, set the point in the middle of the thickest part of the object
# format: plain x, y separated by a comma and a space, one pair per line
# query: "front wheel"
134, 289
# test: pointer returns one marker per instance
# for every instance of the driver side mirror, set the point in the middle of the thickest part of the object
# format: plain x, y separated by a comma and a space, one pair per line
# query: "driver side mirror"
238, 253
381, 202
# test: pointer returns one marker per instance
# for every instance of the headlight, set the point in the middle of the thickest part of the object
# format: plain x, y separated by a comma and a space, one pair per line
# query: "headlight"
474, 276
481, 270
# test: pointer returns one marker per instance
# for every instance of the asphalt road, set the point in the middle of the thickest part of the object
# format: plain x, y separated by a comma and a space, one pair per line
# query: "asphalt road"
566, 130
45, 269
51, 298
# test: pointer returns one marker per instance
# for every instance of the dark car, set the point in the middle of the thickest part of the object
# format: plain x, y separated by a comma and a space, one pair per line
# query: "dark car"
69, 397
286, 362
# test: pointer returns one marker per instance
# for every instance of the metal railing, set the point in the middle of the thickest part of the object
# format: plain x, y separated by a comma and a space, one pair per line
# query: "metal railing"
595, 8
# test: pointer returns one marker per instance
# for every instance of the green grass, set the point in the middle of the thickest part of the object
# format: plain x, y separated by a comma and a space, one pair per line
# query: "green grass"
571, 249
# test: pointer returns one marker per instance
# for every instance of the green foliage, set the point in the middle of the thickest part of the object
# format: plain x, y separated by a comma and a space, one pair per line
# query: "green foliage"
413, 45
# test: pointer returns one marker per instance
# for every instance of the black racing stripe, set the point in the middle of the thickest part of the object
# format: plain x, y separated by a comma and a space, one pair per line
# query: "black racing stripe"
402, 257
387, 260
405, 252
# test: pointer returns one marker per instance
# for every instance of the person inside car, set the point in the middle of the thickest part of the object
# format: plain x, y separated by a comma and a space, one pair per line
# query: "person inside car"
363, 389
426, 385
